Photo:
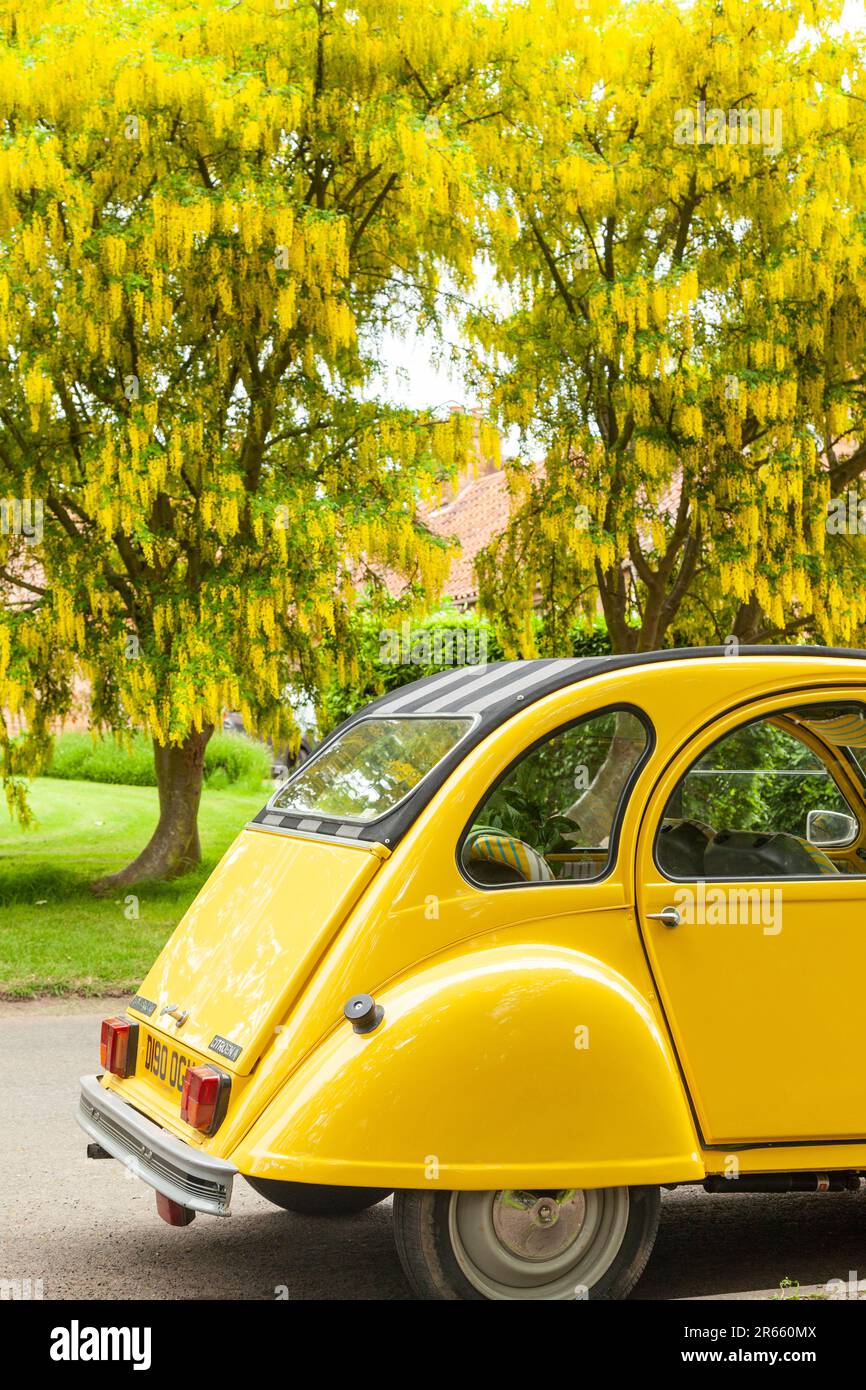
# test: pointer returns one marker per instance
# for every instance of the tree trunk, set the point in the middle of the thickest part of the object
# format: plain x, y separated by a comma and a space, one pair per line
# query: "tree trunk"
595, 810
613, 592
174, 846
748, 621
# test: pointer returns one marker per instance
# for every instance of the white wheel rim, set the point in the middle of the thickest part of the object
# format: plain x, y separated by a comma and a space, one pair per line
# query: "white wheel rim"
545, 1245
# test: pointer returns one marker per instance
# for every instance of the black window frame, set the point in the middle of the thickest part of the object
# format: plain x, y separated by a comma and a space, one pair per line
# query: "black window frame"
618, 707
327, 747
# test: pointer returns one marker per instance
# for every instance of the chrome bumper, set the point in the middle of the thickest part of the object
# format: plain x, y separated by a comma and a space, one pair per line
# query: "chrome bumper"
175, 1169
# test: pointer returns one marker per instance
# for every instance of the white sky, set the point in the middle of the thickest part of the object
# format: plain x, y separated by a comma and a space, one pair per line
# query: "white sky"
415, 372
410, 376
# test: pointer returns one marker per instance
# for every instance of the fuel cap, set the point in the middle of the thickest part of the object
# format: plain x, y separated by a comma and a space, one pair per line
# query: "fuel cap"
363, 1013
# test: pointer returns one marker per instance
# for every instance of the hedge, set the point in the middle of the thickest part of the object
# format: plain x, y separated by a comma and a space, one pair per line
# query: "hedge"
231, 760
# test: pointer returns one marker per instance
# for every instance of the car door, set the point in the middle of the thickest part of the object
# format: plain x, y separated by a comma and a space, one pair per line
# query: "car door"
757, 936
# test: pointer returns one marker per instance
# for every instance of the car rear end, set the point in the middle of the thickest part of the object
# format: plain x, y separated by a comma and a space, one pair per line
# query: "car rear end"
184, 1058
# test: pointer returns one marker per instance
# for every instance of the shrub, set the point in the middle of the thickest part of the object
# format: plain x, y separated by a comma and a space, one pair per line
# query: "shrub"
231, 760
81, 758
389, 657
234, 760
383, 653
590, 639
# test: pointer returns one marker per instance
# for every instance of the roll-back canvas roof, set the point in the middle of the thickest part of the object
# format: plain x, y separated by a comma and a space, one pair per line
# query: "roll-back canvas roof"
492, 693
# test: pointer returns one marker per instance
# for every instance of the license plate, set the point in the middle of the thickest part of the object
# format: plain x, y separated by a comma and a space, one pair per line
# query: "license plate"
162, 1063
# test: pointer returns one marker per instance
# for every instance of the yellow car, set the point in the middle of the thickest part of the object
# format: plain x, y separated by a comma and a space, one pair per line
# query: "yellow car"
522, 943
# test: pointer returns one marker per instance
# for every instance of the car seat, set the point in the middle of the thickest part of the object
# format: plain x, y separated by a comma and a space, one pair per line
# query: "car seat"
490, 857
751, 854
681, 847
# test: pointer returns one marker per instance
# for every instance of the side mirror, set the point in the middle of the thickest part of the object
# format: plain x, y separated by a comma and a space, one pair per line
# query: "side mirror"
825, 828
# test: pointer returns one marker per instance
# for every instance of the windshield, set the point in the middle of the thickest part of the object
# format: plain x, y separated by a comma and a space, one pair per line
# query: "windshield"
370, 768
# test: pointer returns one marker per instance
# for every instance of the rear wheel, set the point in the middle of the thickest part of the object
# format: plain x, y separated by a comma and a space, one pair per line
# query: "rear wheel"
313, 1199
564, 1244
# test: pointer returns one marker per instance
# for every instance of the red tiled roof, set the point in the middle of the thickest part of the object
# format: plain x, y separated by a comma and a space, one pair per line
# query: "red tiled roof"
479, 512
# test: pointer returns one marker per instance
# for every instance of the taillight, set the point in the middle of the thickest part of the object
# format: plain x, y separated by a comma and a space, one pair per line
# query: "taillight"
118, 1044
204, 1098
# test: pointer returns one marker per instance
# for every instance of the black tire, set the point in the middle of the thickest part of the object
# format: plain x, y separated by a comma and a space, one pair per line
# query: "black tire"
423, 1225
313, 1199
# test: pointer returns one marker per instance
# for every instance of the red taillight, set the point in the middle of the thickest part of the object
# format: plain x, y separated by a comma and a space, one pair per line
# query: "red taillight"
118, 1043
204, 1098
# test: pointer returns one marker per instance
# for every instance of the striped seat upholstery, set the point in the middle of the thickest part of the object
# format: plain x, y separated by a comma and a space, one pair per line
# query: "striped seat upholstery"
823, 863
492, 847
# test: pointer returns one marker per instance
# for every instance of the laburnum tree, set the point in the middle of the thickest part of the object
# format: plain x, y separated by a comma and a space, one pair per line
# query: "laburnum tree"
677, 234
207, 212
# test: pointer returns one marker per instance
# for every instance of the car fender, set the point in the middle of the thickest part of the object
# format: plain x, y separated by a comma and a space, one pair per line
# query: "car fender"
508, 1066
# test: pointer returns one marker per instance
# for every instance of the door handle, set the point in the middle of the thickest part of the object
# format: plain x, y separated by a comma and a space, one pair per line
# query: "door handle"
669, 915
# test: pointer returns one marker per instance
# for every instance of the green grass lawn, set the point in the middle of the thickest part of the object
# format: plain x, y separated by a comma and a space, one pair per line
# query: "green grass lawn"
55, 937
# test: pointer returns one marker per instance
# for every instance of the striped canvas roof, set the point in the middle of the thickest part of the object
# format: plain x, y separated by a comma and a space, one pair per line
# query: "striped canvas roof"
475, 689
491, 693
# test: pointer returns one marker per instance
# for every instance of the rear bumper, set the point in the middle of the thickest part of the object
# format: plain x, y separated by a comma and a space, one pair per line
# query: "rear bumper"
174, 1168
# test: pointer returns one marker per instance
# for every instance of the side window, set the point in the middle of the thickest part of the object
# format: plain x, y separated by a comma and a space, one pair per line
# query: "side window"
554, 814
763, 803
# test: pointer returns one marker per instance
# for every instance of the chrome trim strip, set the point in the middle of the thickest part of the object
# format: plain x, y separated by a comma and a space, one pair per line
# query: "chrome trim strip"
175, 1169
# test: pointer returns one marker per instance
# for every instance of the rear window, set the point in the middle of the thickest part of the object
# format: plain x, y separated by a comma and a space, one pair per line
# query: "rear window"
367, 770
